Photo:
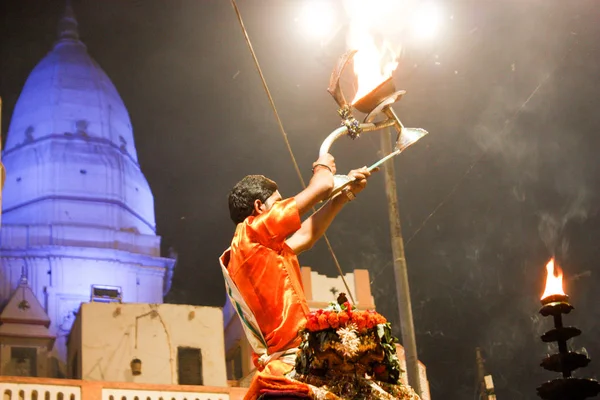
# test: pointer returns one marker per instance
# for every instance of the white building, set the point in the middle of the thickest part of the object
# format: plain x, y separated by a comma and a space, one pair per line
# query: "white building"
174, 344
77, 209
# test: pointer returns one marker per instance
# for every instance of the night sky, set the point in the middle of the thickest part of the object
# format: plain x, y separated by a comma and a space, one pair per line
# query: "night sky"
508, 177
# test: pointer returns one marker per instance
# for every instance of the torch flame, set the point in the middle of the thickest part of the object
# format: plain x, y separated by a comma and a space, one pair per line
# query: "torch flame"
375, 60
372, 65
553, 282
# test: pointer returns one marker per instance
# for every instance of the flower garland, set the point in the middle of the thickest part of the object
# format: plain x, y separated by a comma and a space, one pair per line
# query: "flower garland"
340, 316
349, 354
362, 340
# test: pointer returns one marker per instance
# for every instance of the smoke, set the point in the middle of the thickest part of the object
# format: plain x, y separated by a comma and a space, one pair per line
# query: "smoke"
495, 133
552, 225
538, 160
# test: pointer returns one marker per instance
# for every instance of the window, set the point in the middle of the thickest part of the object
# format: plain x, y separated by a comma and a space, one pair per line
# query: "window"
189, 366
106, 294
23, 361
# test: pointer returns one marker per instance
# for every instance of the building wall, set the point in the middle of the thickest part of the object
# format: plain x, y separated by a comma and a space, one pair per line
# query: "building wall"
321, 289
62, 277
425, 393
105, 341
74, 350
19, 236
78, 181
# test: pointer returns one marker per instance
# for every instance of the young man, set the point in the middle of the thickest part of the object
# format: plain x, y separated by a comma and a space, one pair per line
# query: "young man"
261, 267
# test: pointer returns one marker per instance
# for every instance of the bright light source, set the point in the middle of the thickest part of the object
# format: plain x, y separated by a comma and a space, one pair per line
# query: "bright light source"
426, 21
317, 18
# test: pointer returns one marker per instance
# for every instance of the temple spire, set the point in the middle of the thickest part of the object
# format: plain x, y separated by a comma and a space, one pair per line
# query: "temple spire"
67, 26
23, 280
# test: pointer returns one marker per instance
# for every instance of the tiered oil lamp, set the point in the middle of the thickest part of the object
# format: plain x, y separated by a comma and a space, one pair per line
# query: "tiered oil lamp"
556, 303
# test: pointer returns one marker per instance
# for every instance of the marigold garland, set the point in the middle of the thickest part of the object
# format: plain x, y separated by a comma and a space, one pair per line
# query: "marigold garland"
347, 353
340, 317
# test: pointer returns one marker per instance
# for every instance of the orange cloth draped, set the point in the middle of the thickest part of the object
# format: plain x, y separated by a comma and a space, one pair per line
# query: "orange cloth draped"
267, 273
271, 378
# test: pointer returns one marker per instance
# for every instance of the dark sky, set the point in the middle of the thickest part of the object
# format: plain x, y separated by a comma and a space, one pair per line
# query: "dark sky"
510, 182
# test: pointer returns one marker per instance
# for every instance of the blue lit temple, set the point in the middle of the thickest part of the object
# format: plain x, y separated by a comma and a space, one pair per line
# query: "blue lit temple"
78, 214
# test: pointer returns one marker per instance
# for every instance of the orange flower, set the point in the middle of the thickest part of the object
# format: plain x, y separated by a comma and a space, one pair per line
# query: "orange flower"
323, 323
359, 320
370, 320
377, 318
325, 319
343, 318
312, 324
333, 320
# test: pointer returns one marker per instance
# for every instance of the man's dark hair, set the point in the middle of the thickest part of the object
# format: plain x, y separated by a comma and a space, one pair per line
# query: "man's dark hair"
245, 192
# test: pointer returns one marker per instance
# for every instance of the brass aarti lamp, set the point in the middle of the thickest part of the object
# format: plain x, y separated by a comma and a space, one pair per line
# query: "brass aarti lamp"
377, 105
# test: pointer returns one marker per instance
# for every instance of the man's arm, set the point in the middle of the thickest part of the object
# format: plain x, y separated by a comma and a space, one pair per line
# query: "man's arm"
320, 186
315, 226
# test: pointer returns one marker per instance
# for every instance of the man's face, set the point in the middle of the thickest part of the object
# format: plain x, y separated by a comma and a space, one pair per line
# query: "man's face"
274, 198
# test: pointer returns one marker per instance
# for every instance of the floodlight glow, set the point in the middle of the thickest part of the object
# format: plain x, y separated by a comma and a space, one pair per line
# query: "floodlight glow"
317, 18
426, 21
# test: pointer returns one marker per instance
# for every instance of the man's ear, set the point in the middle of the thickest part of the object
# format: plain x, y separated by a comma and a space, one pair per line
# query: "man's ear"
258, 207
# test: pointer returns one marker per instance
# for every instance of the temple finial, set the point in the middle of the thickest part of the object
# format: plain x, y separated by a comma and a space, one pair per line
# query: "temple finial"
23, 275
67, 26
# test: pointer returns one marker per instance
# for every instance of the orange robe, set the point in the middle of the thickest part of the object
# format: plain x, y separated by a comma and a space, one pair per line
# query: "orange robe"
267, 273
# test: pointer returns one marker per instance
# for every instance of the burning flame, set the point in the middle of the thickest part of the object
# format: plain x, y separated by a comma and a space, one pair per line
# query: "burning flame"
373, 63
553, 282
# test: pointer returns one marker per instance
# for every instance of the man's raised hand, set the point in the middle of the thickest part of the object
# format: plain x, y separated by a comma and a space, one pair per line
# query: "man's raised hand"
326, 161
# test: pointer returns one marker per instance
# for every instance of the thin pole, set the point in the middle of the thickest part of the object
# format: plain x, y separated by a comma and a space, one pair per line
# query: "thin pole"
480, 375
400, 270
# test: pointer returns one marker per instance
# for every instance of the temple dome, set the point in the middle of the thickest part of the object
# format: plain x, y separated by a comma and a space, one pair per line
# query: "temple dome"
67, 93
70, 147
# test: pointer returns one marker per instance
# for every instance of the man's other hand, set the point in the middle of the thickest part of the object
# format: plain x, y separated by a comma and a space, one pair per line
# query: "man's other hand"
360, 176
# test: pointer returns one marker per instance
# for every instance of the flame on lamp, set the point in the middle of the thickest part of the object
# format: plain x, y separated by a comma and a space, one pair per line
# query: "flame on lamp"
554, 283
374, 62
372, 65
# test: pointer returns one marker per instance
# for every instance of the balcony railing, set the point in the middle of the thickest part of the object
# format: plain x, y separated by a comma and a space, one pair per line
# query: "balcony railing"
19, 388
